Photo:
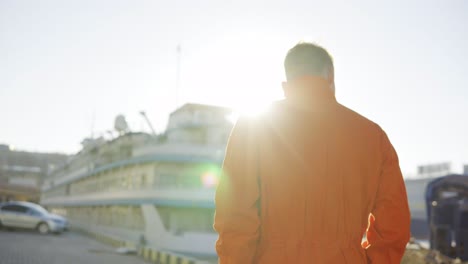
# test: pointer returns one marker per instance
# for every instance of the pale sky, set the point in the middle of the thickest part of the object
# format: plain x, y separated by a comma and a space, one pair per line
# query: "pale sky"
67, 68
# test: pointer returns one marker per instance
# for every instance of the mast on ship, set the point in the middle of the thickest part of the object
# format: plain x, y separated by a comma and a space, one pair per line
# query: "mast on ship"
179, 51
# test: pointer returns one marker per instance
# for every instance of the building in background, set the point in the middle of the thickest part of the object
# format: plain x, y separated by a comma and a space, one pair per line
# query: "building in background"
434, 170
144, 188
22, 173
416, 189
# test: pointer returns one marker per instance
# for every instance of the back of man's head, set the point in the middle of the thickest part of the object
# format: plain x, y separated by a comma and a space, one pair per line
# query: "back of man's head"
308, 59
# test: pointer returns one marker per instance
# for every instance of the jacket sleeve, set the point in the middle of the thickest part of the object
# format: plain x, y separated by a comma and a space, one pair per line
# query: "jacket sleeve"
389, 223
237, 217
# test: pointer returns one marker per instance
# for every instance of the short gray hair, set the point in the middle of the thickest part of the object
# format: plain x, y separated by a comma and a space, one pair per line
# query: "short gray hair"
308, 59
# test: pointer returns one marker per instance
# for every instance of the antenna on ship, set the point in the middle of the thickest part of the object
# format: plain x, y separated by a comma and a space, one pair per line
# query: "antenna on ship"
121, 125
93, 120
143, 113
179, 52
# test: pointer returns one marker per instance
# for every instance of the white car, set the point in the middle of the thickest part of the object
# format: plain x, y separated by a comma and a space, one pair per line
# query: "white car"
31, 216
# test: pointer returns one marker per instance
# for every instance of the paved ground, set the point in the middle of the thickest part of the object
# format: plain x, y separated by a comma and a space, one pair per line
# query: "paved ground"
25, 247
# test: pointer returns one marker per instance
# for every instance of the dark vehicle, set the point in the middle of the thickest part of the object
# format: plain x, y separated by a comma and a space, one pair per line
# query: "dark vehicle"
447, 211
31, 216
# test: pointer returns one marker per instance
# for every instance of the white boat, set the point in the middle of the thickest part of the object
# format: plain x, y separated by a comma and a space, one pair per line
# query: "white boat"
153, 190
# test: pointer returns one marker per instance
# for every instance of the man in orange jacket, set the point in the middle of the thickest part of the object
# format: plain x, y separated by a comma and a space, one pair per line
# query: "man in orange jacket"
304, 182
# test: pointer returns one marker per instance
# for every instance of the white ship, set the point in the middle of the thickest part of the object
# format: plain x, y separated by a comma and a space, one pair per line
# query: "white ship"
155, 190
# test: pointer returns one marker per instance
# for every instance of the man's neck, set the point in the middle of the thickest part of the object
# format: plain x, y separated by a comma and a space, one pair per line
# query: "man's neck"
312, 93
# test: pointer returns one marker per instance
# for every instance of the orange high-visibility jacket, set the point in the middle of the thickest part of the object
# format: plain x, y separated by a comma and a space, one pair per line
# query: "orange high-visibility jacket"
303, 186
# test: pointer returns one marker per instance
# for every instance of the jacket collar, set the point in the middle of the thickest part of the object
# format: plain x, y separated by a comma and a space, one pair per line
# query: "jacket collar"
311, 92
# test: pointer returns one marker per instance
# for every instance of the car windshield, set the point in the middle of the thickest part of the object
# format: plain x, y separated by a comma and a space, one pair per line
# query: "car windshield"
40, 210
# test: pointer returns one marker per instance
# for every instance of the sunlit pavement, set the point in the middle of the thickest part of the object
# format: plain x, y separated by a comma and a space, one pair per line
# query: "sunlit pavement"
26, 247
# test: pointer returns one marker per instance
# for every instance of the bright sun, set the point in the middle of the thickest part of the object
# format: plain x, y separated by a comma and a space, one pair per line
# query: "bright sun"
243, 75
247, 110
252, 108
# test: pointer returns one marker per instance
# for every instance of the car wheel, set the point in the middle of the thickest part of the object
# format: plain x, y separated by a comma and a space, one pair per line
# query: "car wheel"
43, 228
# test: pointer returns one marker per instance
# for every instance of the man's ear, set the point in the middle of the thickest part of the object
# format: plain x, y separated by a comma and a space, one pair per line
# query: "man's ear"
285, 89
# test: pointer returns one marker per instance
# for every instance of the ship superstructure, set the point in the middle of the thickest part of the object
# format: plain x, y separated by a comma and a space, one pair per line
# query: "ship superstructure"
141, 187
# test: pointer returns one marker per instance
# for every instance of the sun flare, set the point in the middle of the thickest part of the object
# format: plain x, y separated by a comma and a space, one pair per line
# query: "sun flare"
252, 108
